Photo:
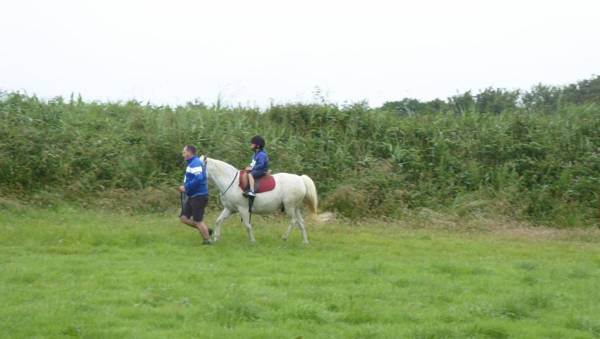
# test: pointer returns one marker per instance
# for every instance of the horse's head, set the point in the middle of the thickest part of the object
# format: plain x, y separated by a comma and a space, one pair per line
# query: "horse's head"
206, 160
217, 168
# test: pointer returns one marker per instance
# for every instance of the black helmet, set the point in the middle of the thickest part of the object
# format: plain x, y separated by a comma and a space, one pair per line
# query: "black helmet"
258, 141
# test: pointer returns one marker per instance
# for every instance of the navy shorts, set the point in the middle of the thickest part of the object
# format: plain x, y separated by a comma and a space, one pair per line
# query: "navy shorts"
193, 208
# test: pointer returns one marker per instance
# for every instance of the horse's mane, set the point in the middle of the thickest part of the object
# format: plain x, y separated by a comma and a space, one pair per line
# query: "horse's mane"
221, 163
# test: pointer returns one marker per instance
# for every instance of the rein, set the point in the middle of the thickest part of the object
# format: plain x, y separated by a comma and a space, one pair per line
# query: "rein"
232, 181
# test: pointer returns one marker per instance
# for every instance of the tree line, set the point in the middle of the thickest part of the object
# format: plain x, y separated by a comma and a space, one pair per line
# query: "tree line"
542, 99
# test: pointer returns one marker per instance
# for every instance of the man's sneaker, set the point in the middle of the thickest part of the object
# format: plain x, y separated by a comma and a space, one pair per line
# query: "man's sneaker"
251, 194
206, 242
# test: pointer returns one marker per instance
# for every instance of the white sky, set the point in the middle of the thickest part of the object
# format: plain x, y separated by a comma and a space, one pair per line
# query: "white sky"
252, 52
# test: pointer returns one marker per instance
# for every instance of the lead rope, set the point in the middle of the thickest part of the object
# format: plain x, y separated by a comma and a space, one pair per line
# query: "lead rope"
181, 199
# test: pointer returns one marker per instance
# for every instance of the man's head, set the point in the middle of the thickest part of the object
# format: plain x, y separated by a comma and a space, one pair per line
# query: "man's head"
257, 142
189, 151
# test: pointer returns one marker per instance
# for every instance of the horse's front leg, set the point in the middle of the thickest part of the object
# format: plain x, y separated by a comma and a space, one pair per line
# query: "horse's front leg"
224, 215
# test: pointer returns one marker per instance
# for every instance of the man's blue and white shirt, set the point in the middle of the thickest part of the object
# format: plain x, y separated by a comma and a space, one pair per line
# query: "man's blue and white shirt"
194, 180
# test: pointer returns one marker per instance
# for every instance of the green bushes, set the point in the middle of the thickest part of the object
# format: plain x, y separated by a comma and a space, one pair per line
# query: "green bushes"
365, 162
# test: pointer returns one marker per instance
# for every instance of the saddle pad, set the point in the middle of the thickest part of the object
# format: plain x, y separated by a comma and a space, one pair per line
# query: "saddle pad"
265, 184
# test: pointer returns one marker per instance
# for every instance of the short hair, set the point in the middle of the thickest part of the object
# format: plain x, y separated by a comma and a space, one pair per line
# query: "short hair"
191, 148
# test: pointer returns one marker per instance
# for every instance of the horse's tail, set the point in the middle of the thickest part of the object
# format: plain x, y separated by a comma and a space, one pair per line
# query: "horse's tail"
310, 199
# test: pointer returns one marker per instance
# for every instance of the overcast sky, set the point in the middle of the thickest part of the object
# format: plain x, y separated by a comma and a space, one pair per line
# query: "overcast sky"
255, 52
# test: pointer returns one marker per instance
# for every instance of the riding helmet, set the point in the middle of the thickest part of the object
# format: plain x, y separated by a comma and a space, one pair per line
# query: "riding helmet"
258, 141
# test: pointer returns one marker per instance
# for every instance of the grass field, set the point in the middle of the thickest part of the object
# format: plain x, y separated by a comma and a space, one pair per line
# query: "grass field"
67, 272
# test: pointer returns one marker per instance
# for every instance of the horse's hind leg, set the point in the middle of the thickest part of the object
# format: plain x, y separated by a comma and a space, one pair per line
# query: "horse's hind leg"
290, 212
286, 235
300, 221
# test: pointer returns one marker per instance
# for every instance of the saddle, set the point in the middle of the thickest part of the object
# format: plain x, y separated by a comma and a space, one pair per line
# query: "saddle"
266, 183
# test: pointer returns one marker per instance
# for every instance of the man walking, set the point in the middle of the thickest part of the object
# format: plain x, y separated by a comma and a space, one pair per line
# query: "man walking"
195, 187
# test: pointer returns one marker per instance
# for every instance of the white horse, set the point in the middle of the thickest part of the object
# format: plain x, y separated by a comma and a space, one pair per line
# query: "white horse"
291, 193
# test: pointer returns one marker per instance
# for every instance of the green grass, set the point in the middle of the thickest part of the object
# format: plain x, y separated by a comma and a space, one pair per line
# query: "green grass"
67, 272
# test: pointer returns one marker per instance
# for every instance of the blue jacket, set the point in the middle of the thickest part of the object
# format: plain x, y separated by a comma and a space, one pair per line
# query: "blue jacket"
260, 163
194, 181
